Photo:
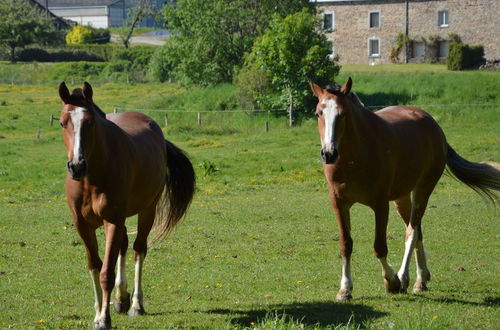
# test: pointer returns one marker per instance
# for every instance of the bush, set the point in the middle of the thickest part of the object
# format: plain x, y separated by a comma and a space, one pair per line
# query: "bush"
105, 51
130, 64
463, 57
42, 55
87, 35
79, 35
159, 67
77, 70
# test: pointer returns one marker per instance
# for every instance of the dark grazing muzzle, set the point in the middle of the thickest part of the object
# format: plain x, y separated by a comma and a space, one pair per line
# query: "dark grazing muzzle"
329, 157
77, 171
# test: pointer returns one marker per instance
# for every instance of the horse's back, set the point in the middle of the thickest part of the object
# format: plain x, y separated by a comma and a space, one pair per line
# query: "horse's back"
417, 142
134, 123
146, 160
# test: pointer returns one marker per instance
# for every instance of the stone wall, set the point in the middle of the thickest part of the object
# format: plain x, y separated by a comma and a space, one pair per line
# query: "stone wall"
475, 21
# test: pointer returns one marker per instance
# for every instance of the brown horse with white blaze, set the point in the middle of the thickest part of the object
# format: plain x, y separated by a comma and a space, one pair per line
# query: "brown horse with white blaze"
120, 165
395, 154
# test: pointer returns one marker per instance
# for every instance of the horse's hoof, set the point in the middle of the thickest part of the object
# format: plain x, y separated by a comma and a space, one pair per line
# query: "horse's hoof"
122, 307
393, 285
343, 296
419, 287
134, 312
105, 326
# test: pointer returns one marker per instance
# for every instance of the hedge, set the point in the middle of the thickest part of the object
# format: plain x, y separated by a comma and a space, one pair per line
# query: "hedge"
463, 57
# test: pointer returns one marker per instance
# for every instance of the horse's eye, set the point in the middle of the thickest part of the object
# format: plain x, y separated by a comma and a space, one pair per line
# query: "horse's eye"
319, 113
62, 125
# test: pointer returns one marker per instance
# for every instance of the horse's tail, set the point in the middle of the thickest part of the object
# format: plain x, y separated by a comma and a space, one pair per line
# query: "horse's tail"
484, 178
178, 193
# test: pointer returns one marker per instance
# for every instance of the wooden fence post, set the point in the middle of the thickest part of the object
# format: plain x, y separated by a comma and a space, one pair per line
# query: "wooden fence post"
199, 118
267, 126
166, 120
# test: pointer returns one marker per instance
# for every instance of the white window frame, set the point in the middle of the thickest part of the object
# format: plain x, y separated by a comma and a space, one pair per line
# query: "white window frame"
332, 28
443, 18
370, 19
370, 54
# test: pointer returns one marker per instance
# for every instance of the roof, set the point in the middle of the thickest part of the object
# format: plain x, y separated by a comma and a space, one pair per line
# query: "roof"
76, 3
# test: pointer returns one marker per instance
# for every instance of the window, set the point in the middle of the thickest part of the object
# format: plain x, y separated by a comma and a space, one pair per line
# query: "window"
418, 49
374, 19
443, 49
443, 18
328, 22
373, 47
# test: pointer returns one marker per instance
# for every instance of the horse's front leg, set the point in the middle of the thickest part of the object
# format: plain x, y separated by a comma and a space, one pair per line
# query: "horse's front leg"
391, 281
345, 244
122, 302
87, 234
114, 235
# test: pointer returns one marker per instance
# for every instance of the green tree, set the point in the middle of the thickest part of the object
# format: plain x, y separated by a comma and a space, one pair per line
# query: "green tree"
140, 10
23, 24
292, 52
210, 38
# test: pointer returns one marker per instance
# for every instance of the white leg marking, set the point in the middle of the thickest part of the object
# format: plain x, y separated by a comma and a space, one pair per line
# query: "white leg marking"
387, 271
121, 279
94, 273
346, 281
137, 298
76, 118
423, 273
405, 265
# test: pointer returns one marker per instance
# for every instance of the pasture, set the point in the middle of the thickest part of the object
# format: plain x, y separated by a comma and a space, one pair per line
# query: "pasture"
258, 248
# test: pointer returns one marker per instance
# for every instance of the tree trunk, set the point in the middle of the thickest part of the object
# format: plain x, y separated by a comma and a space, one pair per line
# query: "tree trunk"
12, 53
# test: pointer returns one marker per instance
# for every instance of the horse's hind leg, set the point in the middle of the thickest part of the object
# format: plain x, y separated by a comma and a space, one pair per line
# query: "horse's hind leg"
413, 237
145, 223
391, 281
122, 303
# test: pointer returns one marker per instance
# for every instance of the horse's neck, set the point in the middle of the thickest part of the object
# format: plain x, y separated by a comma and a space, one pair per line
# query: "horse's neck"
359, 130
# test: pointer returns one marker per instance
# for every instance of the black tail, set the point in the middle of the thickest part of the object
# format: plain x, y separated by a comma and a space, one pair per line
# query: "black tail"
179, 190
484, 178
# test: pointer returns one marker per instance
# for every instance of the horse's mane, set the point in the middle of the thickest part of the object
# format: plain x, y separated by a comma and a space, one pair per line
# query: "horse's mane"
334, 88
77, 98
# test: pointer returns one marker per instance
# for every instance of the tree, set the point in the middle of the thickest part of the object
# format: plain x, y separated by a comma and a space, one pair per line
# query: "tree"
23, 24
292, 52
140, 10
210, 38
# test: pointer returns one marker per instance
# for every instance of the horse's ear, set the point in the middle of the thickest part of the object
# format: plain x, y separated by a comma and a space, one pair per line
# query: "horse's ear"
87, 91
64, 92
317, 91
346, 88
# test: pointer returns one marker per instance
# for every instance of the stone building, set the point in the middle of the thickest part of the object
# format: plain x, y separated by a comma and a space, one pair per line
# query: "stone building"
365, 31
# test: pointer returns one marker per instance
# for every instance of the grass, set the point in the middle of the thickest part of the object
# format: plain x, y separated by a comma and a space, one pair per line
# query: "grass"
258, 248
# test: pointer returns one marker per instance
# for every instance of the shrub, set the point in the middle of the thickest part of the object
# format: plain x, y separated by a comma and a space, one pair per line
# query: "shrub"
160, 67
79, 35
77, 70
42, 55
105, 51
463, 57
87, 35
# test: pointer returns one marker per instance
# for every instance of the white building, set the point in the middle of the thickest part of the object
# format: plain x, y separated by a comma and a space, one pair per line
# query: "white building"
97, 13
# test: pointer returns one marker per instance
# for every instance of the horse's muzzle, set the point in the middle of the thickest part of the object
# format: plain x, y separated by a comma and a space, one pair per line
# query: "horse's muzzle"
329, 157
77, 171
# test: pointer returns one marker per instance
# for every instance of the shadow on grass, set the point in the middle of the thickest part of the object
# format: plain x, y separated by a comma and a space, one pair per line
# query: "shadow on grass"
310, 313
376, 101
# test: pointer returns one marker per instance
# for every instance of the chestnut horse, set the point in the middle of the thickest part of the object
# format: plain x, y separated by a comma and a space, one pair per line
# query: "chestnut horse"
376, 157
120, 165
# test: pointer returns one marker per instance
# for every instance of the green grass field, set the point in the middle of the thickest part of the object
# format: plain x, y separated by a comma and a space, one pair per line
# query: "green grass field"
258, 248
